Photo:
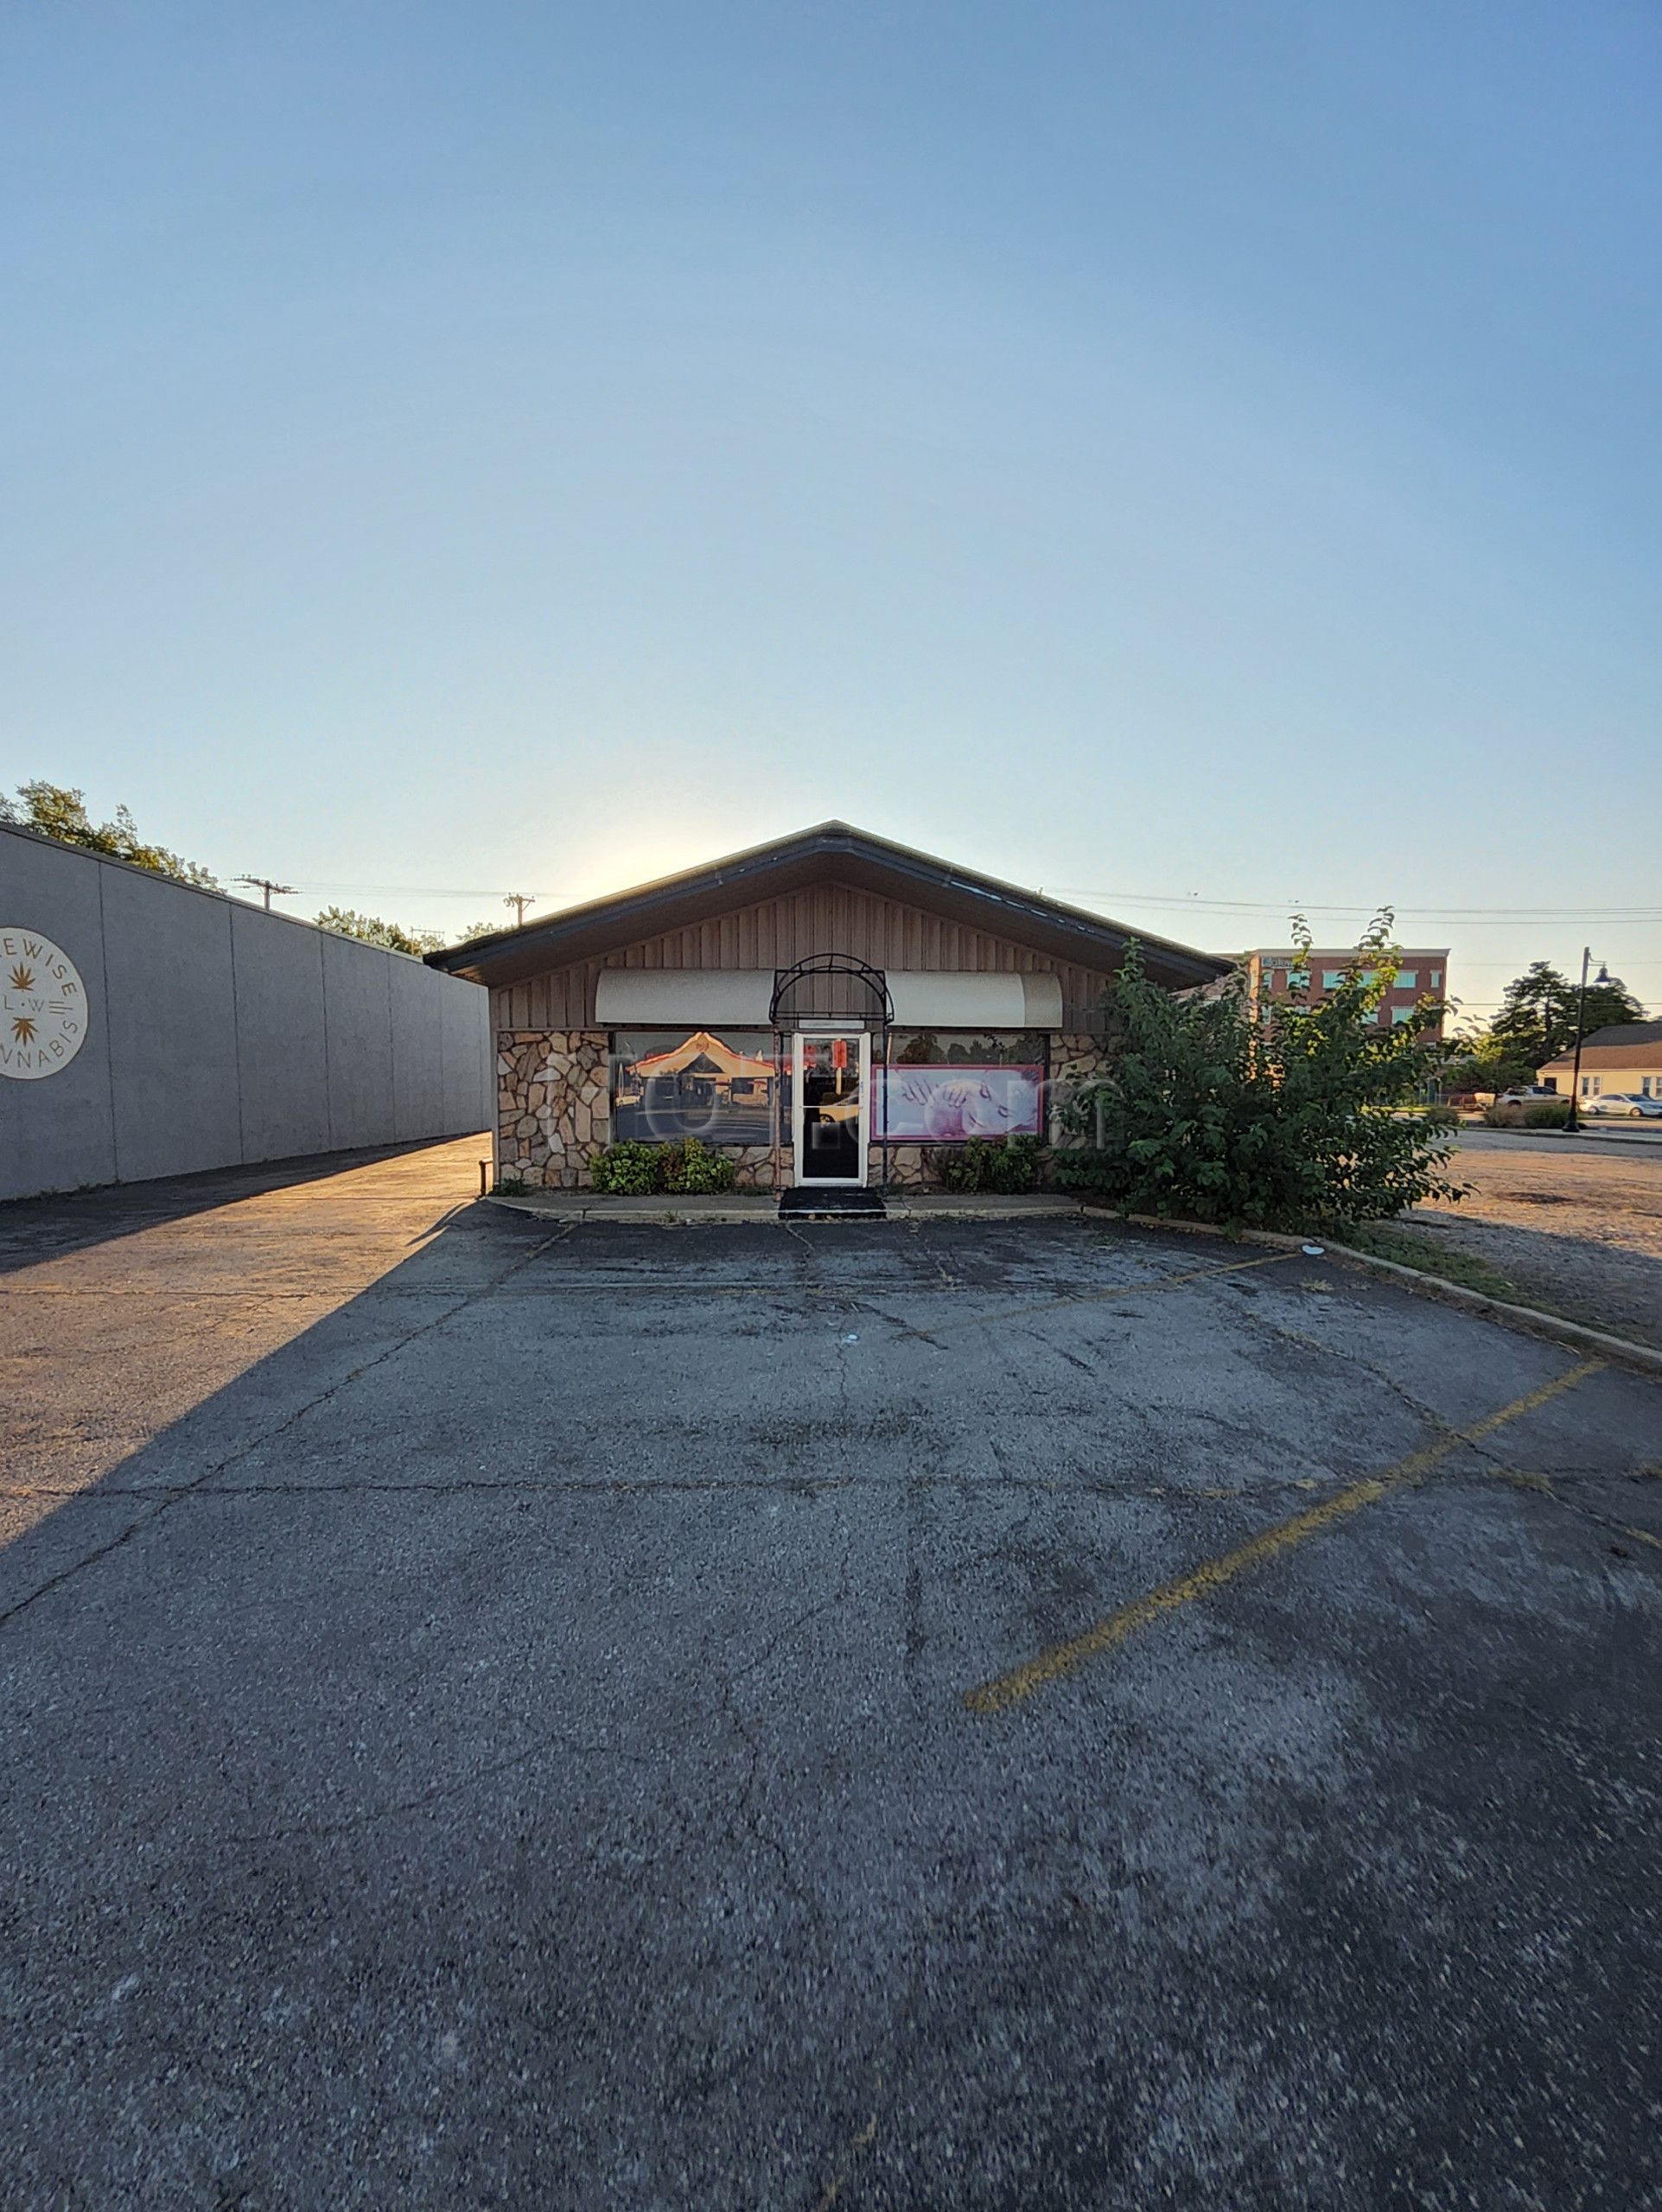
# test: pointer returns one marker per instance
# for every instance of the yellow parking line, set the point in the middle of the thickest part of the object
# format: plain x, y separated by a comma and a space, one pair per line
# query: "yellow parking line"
1057, 1660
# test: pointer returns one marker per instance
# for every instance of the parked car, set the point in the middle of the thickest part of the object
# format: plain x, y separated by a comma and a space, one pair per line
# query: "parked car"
1526, 1097
1628, 1105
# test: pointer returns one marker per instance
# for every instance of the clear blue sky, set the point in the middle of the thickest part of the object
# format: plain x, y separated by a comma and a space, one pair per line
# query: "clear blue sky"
1177, 449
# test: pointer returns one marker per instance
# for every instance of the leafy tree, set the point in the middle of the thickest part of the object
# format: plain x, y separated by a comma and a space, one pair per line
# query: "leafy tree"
1609, 1002
55, 811
474, 931
369, 928
1294, 1120
1537, 1020
1480, 1064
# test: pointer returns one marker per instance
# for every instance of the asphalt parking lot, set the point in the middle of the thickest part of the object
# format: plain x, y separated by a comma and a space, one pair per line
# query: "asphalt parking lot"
932, 1714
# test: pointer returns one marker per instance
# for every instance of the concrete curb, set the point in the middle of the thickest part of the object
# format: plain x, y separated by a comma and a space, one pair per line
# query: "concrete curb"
667, 1215
1529, 1318
764, 1211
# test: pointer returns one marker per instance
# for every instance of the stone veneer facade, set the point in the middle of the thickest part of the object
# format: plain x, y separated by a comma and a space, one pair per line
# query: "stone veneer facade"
554, 1112
553, 1105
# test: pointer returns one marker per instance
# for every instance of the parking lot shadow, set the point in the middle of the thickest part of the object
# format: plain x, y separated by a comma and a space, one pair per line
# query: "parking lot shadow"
486, 1717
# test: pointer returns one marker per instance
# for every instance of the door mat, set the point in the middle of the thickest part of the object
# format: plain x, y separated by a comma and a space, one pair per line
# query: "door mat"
856, 1205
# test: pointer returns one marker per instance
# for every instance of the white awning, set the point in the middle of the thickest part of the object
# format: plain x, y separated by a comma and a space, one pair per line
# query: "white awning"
683, 998
707, 998
974, 1002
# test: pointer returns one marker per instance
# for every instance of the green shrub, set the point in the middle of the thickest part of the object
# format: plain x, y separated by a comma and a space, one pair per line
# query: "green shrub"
1006, 1165
631, 1169
690, 1171
1291, 1121
628, 1168
1440, 1117
1546, 1114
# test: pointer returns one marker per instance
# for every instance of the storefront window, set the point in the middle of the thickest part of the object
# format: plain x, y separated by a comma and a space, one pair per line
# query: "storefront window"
669, 1083
943, 1086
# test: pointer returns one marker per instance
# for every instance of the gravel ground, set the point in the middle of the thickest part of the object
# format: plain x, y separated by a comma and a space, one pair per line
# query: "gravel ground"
1576, 1226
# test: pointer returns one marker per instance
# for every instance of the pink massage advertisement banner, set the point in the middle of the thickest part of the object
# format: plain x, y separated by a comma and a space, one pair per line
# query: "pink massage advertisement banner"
946, 1105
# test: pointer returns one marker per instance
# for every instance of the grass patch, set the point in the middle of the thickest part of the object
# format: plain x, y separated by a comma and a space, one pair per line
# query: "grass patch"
1410, 1249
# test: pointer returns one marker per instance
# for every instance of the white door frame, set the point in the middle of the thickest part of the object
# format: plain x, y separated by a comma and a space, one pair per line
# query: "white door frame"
801, 1033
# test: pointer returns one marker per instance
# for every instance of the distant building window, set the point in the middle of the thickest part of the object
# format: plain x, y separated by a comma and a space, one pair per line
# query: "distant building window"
1436, 979
1332, 978
1592, 1086
1407, 979
1299, 978
1645, 1090
1401, 1014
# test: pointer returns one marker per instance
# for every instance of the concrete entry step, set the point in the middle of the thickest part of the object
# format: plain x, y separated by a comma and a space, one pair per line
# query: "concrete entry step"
857, 1204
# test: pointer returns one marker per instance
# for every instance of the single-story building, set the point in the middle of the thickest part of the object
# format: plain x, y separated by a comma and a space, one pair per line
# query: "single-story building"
824, 1008
1626, 1057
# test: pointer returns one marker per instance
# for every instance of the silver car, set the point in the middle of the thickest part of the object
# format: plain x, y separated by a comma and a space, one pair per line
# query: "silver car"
1627, 1105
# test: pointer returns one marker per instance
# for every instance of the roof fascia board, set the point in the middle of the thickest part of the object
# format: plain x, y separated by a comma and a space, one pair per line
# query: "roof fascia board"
831, 852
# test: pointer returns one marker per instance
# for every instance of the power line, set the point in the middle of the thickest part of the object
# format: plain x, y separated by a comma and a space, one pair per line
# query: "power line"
1295, 905
265, 883
411, 891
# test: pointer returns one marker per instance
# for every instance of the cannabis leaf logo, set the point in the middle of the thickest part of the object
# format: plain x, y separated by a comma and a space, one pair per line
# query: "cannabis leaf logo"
22, 1030
22, 978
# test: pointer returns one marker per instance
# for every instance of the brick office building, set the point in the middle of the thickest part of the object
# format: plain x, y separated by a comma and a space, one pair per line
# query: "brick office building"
1276, 972
824, 1009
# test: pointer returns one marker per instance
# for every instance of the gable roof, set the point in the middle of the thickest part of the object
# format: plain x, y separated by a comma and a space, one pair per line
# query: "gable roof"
701, 1046
1627, 1033
1629, 1044
830, 852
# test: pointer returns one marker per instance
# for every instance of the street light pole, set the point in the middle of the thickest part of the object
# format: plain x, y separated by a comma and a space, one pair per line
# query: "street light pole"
1573, 1123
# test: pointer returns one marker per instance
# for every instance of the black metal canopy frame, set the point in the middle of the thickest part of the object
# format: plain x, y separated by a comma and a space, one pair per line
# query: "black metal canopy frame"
831, 963
780, 1017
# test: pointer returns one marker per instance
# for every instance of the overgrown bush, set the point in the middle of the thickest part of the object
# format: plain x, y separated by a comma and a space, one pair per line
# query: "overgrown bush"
1546, 1114
1292, 1121
627, 1169
1006, 1165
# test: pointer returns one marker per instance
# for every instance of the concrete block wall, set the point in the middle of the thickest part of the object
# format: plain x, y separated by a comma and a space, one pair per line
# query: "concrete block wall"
218, 1035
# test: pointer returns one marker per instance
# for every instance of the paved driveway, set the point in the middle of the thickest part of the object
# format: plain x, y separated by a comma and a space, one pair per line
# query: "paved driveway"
953, 1715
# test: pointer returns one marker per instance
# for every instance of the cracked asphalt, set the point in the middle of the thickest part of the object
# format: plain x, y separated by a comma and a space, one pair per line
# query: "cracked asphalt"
484, 1718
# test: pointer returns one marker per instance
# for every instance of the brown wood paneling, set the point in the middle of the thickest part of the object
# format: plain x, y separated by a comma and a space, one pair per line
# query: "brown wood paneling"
775, 932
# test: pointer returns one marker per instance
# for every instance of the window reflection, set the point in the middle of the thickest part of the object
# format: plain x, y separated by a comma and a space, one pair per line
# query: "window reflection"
667, 1084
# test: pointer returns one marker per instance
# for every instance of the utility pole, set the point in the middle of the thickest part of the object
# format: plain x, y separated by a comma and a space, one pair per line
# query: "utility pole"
265, 883
1573, 1123
520, 900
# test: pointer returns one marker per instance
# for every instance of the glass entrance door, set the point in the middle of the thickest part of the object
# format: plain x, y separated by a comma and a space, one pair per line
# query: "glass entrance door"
830, 1105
